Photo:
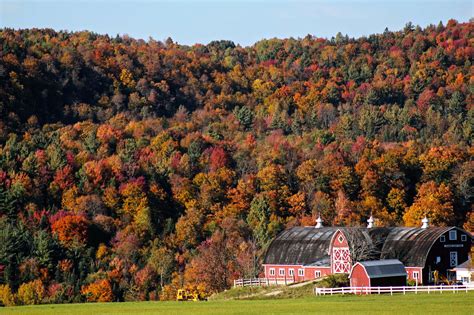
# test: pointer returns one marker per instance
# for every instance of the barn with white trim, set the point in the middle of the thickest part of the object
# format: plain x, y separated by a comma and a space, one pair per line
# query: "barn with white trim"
305, 253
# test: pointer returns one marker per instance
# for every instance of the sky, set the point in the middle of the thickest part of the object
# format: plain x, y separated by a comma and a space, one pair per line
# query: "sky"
244, 22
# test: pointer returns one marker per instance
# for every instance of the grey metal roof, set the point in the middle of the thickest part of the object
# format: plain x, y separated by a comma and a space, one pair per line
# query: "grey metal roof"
465, 265
300, 246
323, 262
411, 245
384, 268
310, 245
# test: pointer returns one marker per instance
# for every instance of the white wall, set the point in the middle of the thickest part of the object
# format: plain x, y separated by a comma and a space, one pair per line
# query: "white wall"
463, 274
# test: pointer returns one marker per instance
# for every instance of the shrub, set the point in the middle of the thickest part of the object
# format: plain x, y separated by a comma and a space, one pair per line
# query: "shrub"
411, 282
334, 281
98, 291
59, 293
31, 292
7, 298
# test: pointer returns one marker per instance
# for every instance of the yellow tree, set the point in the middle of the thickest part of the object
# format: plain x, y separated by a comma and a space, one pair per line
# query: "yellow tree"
135, 205
434, 201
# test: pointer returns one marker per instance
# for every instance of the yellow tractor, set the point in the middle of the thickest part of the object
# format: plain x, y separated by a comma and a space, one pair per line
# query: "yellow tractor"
188, 295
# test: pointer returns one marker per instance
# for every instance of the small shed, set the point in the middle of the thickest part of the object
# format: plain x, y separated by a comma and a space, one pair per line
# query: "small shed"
464, 272
378, 273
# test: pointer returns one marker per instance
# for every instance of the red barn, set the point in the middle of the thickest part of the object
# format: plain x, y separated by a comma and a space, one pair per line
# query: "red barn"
378, 273
305, 253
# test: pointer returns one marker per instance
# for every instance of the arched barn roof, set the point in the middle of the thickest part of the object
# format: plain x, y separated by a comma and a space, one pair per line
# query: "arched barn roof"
411, 245
301, 246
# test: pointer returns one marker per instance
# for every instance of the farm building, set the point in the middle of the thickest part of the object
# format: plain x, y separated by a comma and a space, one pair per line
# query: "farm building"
378, 273
464, 272
305, 253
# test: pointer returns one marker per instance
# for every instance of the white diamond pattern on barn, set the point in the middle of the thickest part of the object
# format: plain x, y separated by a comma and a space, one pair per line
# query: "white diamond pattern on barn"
341, 260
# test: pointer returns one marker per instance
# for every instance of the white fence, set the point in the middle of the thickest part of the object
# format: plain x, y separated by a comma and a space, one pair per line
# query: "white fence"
392, 290
259, 282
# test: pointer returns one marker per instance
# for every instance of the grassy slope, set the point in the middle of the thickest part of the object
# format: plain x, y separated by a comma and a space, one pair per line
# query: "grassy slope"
447, 303
271, 292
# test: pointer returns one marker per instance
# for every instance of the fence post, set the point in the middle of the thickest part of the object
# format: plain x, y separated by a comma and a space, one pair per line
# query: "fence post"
379, 291
428, 289
391, 292
403, 290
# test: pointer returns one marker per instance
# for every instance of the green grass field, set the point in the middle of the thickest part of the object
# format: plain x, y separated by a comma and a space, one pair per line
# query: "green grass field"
446, 303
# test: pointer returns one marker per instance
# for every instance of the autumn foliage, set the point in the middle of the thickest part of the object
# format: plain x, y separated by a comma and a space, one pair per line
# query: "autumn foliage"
98, 291
71, 229
131, 168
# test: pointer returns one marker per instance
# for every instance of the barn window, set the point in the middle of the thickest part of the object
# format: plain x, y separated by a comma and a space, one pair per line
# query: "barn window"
442, 239
340, 238
301, 272
452, 235
438, 259
416, 275
317, 274
281, 272
291, 272
453, 259
272, 271
463, 238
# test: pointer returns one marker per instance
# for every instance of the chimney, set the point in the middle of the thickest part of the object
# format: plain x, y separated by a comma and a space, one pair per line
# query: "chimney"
425, 222
370, 222
319, 222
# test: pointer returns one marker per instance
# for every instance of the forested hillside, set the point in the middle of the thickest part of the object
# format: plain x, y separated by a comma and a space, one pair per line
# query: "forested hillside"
129, 168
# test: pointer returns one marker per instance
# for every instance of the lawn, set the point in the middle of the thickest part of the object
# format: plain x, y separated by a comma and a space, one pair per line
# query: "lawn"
446, 303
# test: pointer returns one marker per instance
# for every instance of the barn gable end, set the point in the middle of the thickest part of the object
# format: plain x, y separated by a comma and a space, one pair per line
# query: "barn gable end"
340, 253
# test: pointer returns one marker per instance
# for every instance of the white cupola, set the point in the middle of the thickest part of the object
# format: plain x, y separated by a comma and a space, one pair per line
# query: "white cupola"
370, 222
425, 222
319, 222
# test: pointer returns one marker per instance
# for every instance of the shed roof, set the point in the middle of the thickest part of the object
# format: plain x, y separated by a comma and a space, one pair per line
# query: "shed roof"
467, 265
384, 268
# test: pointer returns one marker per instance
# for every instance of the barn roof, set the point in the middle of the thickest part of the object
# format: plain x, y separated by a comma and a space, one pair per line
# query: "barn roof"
301, 246
310, 245
384, 268
411, 245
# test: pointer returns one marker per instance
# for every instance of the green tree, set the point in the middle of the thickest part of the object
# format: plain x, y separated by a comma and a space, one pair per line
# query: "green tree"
259, 219
245, 116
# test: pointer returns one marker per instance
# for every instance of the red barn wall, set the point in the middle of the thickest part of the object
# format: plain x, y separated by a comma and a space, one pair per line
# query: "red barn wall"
411, 275
311, 271
308, 272
359, 277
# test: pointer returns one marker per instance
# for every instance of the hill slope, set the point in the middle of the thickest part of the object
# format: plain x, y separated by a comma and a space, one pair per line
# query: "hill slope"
128, 166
